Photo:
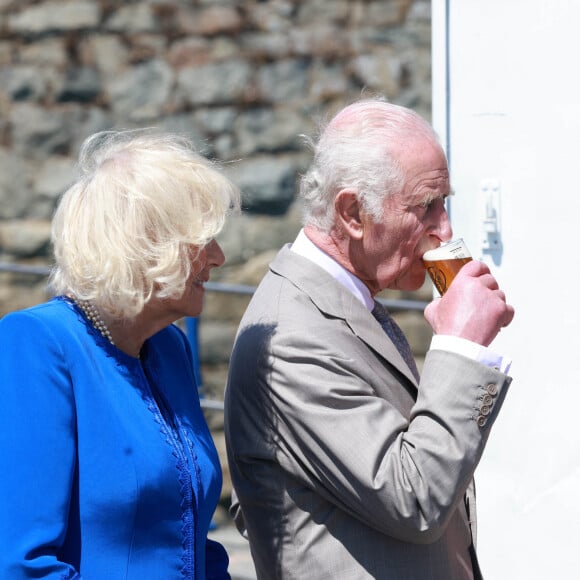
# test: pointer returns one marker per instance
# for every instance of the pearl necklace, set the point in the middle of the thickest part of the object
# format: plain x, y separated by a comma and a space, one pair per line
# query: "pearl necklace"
94, 317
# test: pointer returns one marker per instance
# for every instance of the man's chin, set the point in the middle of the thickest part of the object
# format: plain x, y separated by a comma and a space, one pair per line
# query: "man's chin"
412, 282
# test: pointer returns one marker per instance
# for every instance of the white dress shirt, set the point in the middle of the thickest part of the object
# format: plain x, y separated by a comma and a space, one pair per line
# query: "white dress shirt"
304, 247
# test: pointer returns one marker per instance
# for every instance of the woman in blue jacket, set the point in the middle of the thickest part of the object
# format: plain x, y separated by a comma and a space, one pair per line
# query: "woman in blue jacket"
107, 467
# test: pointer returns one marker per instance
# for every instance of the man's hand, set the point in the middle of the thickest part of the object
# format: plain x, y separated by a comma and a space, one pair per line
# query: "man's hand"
473, 307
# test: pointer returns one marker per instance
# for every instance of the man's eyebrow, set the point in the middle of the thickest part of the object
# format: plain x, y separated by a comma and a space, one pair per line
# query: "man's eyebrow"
430, 197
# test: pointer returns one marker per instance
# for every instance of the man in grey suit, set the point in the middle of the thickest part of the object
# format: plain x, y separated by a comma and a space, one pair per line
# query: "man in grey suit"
344, 463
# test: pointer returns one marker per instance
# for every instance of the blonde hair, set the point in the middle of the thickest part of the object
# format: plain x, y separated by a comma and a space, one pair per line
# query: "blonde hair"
124, 232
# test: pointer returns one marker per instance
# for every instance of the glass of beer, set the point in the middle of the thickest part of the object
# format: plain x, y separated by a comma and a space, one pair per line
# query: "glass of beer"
444, 262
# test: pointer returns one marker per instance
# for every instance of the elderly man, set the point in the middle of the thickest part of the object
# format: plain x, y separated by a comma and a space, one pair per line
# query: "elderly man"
346, 464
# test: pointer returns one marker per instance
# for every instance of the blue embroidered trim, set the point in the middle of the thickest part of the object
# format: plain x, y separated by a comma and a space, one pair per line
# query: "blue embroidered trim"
170, 429
188, 529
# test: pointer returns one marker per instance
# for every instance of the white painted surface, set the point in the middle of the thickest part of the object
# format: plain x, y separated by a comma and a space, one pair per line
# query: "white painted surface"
508, 109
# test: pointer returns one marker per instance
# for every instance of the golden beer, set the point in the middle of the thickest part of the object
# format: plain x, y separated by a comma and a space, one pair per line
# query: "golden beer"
444, 262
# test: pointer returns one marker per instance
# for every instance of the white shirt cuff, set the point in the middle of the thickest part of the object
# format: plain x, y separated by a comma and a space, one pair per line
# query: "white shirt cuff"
471, 350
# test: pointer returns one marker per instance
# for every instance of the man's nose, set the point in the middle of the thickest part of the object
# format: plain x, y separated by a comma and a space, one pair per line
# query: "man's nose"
444, 230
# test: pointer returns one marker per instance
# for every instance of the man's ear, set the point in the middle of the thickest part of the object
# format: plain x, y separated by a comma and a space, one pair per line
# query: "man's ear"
347, 208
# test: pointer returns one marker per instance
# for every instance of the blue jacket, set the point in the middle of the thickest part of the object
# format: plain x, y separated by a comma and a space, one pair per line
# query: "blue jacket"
107, 467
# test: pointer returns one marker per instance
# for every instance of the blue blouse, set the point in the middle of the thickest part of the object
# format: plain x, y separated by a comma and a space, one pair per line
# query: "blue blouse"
107, 467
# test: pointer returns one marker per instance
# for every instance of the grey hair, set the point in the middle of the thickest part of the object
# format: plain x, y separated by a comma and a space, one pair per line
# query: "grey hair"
357, 150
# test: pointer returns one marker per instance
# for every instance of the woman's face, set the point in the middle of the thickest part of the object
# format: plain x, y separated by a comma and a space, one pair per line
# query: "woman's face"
191, 301
210, 256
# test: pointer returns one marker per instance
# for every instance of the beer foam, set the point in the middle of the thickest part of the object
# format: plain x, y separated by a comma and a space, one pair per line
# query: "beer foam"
448, 251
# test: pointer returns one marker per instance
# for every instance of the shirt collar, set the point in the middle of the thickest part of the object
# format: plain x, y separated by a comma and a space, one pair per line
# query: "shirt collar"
307, 249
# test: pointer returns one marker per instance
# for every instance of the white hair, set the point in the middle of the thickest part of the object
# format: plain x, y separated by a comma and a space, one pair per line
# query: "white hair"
358, 150
123, 232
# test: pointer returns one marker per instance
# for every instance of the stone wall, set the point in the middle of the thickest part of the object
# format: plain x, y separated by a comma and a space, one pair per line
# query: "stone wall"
243, 78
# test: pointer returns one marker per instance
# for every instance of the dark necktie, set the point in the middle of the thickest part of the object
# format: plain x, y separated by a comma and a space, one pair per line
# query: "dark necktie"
393, 331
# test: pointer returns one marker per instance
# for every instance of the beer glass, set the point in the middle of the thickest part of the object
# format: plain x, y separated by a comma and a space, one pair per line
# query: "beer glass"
444, 262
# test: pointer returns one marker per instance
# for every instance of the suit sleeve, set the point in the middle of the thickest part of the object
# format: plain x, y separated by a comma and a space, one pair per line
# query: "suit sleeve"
348, 428
37, 450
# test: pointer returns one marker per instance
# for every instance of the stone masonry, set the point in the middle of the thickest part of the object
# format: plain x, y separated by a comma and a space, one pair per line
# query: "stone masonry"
243, 78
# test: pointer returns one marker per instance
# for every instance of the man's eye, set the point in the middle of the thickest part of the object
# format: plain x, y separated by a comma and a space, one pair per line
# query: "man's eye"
430, 203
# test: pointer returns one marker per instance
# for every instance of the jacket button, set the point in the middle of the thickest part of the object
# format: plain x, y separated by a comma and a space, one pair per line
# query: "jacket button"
486, 400
492, 389
481, 420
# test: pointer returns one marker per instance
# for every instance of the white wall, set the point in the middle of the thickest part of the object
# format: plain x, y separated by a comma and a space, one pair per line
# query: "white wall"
506, 91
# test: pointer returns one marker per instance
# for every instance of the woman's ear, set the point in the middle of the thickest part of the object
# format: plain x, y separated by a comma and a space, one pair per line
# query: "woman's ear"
347, 209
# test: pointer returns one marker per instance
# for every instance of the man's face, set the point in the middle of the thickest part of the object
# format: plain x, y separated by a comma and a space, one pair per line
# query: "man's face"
414, 221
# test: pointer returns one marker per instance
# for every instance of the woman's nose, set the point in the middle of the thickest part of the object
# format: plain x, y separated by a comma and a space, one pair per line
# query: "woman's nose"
215, 255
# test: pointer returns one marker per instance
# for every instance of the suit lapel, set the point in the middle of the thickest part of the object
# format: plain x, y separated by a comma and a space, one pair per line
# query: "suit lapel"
335, 301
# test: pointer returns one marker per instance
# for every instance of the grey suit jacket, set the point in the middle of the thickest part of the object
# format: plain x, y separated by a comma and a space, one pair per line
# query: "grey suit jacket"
345, 468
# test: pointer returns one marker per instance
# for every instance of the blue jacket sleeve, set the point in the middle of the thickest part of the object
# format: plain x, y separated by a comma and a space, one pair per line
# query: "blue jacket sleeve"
37, 450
